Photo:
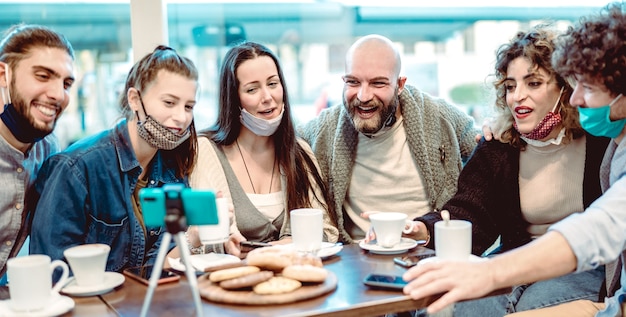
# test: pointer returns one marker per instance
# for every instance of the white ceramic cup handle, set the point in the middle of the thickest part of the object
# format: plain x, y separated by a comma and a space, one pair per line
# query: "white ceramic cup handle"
408, 228
64, 277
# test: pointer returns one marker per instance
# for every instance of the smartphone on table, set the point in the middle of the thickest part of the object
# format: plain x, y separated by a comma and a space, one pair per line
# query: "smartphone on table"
387, 281
143, 273
411, 259
247, 246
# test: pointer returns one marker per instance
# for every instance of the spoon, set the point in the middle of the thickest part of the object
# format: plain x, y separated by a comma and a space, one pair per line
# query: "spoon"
445, 215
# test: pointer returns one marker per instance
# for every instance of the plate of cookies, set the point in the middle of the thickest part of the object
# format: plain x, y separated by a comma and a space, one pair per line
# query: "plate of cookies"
270, 276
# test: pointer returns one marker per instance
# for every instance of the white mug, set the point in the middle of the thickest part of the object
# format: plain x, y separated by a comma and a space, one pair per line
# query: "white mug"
88, 263
307, 229
30, 281
218, 233
389, 227
453, 241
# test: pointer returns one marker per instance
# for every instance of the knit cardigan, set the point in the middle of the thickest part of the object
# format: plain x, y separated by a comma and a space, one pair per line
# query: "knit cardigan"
440, 138
488, 194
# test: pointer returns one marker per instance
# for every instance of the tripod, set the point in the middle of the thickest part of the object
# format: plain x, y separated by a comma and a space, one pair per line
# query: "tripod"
176, 224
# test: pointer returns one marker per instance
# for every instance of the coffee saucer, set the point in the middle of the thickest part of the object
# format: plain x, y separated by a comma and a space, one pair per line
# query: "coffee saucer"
111, 281
404, 245
58, 305
202, 262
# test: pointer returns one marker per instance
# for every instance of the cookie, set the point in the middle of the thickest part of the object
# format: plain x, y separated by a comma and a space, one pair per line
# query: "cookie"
247, 280
231, 273
271, 258
306, 273
307, 259
277, 285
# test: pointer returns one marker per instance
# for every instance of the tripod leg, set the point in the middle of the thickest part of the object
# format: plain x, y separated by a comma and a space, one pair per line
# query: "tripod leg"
190, 272
156, 272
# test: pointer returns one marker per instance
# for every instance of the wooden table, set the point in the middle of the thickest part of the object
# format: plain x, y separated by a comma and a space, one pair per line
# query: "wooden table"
90, 306
351, 298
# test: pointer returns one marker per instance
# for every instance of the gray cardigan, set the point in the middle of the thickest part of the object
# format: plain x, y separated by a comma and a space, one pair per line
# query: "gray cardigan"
440, 137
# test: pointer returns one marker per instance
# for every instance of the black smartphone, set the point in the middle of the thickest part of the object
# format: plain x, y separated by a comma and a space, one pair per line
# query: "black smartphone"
247, 246
410, 260
143, 273
384, 281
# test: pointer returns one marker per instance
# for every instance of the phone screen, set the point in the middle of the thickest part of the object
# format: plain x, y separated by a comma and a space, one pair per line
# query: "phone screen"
385, 281
143, 273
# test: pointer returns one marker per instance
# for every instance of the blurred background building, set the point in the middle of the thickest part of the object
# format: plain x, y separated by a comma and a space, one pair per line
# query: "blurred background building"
448, 46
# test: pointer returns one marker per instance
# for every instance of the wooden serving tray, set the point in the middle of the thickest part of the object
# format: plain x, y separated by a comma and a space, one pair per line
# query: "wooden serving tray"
212, 292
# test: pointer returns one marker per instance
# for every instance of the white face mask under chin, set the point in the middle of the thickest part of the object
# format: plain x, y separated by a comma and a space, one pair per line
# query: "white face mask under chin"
260, 126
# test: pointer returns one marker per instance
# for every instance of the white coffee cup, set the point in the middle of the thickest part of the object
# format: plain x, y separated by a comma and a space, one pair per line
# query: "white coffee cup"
453, 241
88, 263
30, 281
307, 229
218, 233
389, 227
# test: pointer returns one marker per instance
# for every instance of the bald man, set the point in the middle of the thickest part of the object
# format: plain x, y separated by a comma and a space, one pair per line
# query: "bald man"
389, 147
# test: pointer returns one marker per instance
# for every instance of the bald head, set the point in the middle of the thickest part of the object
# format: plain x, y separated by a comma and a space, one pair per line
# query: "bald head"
374, 48
372, 84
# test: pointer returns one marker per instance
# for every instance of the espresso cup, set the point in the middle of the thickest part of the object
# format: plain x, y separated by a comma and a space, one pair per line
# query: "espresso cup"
218, 233
307, 229
88, 263
453, 240
389, 227
30, 281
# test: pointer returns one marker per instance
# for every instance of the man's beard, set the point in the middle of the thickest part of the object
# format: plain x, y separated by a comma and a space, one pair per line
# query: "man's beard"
23, 109
375, 123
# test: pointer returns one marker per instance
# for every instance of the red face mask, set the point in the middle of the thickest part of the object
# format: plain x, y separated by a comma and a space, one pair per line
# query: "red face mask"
546, 125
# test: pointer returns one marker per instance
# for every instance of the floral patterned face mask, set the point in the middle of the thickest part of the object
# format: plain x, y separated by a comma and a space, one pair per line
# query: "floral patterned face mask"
157, 135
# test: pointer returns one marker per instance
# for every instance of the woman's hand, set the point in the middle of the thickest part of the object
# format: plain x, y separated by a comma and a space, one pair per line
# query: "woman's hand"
419, 232
231, 246
193, 237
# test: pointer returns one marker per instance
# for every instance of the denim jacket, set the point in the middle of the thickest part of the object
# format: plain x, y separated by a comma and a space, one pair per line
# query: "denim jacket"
85, 197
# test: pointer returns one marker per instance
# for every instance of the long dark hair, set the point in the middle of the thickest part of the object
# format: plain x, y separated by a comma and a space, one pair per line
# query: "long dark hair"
145, 72
294, 162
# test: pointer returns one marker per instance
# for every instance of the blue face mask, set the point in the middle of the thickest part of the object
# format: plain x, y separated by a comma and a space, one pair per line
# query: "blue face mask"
596, 120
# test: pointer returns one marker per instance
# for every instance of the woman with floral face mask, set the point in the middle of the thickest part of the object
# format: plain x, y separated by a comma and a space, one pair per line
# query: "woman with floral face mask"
543, 169
252, 154
88, 193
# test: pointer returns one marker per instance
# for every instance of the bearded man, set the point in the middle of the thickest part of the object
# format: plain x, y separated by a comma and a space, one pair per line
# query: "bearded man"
389, 147
36, 73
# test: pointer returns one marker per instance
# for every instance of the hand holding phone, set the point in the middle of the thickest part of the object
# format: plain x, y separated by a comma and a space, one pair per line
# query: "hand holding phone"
247, 246
393, 282
143, 273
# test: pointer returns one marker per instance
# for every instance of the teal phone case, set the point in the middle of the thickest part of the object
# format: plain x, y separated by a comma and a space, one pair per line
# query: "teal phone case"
199, 206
